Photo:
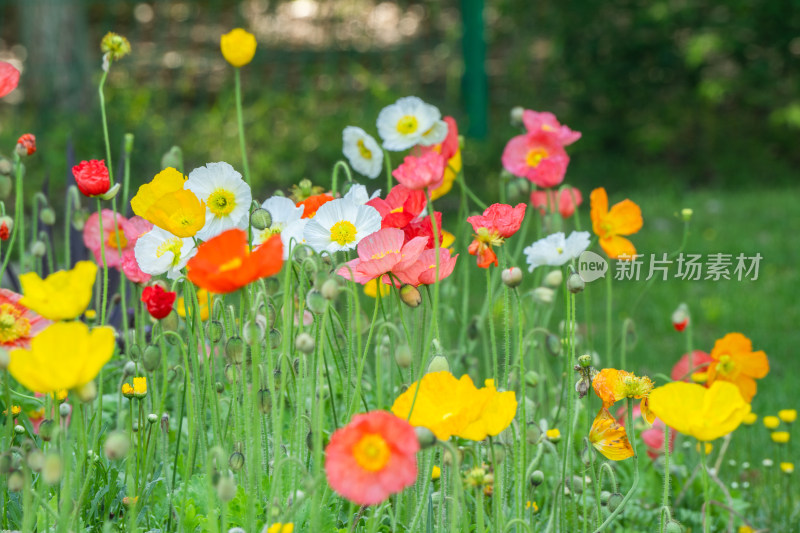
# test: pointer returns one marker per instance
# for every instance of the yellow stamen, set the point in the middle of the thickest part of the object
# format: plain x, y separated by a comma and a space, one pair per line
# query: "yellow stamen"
12, 324
343, 232
363, 150
221, 202
117, 240
372, 453
173, 245
407, 125
535, 157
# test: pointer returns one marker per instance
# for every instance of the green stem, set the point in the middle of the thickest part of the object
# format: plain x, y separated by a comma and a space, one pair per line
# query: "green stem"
706, 491
242, 143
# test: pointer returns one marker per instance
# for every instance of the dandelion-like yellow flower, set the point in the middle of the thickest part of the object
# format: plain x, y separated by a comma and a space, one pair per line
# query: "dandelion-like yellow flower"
788, 415
127, 390
750, 419
62, 295
771, 422
238, 47
553, 434
781, 437
281, 528
140, 387
745, 529
115, 45
436, 473
787, 468
15, 410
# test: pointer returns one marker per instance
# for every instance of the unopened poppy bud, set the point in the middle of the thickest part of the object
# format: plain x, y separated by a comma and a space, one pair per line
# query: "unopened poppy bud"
47, 216
79, 219
19, 430
5, 183
128, 138
16, 481
531, 378
234, 349
516, 115
330, 289
686, 214
614, 501
110, 193
219, 387
47, 430
553, 344
260, 219
254, 331
438, 364
117, 445
64, 410
304, 343
236, 461
226, 488
264, 401
575, 283
129, 369
403, 356
410, 295
6, 225
674, 527
553, 279
35, 460
425, 437
38, 249
533, 434
151, 358
315, 302
26, 145
275, 338
604, 496
543, 295
680, 317
172, 158
512, 277
152, 418
537, 478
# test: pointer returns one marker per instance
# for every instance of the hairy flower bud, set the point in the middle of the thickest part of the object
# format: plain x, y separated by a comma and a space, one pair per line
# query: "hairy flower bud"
260, 219
553, 279
512, 277
304, 343
410, 295
438, 364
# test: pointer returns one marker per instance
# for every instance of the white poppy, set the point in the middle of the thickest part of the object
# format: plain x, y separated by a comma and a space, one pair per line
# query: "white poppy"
362, 151
226, 195
358, 194
159, 251
555, 249
285, 215
340, 225
409, 122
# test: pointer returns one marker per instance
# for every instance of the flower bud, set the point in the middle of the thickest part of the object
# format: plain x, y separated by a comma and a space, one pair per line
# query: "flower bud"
35, 460
330, 289
686, 214
38, 248
537, 478
234, 350
531, 378
172, 158
226, 488
219, 387
111, 193
47, 216
425, 437
26, 145
585, 361
438, 364
614, 501
215, 331
275, 338
47, 430
315, 301
553, 344
264, 401
533, 434
575, 283
512, 277
4, 359
680, 317
128, 137
6, 225
151, 358
16, 481
304, 343
254, 331
260, 219
64, 410
117, 445
236, 461
152, 418
403, 356
410, 295
673, 527
543, 295
553, 279
516, 115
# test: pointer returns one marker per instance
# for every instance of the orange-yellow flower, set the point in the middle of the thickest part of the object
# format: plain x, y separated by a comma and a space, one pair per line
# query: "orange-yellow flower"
609, 438
624, 218
734, 360
612, 385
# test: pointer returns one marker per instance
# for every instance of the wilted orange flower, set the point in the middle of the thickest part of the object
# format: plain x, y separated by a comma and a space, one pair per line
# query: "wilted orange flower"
609, 437
624, 218
224, 264
734, 360
612, 385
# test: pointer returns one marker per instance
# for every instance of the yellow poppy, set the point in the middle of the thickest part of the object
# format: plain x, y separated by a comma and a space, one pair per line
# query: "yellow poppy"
788, 415
750, 419
553, 434
609, 438
612, 385
734, 360
436, 473
127, 390
281, 528
496, 415
166, 204
624, 218
63, 295
771, 422
704, 413
781, 437
372, 286
66, 355
238, 47
140, 387
203, 298
787, 468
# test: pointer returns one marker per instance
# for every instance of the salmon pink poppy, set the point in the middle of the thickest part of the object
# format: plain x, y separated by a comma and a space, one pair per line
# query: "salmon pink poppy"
372, 457
380, 253
682, 370
18, 324
535, 121
497, 223
224, 264
537, 157
130, 267
400, 207
119, 239
451, 152
9, 78
564, 201
423, 172
423, 270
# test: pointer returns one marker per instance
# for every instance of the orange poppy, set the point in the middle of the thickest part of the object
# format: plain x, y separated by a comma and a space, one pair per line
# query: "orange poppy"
624, 218
612, 385
609, 437
224, 263
734, 360
312, 203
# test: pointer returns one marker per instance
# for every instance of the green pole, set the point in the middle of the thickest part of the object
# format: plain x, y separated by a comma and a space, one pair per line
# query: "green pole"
476, 91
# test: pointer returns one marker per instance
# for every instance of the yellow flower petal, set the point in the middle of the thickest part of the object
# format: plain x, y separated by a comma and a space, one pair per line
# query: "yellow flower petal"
238, 47
609, 438
63, 295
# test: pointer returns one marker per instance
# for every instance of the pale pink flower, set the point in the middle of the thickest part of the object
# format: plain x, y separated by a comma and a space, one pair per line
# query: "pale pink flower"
380, 253
423, 172
537, 157
119, 238
535, 122
130, 267
423, 270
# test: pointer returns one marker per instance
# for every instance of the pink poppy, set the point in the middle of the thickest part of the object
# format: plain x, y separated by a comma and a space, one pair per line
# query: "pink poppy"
372, 457
18, 324
423, 172
422, 227
547, 122
9, 78
382, 252
448, 147
423, 270
653, 435
117, 244
400, 207
537, 157
681, 371
548, 200
498, 222
130, 267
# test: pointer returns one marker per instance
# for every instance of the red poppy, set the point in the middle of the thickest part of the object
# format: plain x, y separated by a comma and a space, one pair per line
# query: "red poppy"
400, 207
565, 201
422, 227
423, 172
26, 145
158, 301
224, 263
92, 177
6, 223
497, 223
9, 78
313, 203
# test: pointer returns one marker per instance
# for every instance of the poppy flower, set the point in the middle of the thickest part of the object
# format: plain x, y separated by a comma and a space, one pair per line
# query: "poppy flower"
158, 301
410, 121
624, 218
547, 123
372, 457
564, 201
26, 145
680, 317
63, 295
66, 355
703, 413
537, 157
312, 204
380, 253
733, 360
609, 437
9, 78
169, 206
118, 239
451, 152
556, 249
401, 206
682, 372
130, 267
423, 227
362, 151
612, 385
420, 173
423, 270
204, 297
238, 47
18, 324
497, 223
226, 195
92, 177
224, 264
340, 225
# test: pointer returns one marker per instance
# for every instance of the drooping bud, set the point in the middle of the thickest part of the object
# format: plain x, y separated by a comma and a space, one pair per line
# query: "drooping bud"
315, 301
47, 216
512, 277
87, 393
304, 343
438, 364
553, 344
575, 283
215, 331
330, 289
260, 219
537, 478
553, 279
675, 527
516, 116
680, 317
543, 295
234, 349
226, 488
173, 158
403, 356
410, 295
614, 501
52, 469
38, 248
425, 437
531, 378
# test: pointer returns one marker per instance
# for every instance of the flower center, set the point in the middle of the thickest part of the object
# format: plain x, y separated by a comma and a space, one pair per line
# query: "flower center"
343, 232
535, 157
726, 366
363, 150
116, 239
234, 263
172, 245
221, 202
372, 453
12, 324
407, 125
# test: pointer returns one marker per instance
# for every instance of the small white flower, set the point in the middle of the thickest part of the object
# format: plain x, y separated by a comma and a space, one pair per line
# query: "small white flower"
286, 221
358, 194
409, 122
555, 250
159, 251
340, 225
226, 195
362, 151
